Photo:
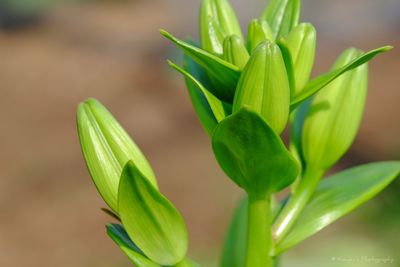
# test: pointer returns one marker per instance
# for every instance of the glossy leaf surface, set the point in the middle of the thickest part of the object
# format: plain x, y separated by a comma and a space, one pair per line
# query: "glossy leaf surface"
320, 82
252, 154
107, 148
217, 106
118, 234
282, 16
339, 194
264, 87
224, 73
150, 220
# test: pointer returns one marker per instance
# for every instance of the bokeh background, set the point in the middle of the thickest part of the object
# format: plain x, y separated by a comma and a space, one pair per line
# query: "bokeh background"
56, 53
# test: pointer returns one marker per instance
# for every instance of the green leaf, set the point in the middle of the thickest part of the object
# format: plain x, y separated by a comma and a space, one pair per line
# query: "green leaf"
235, 52
234, 251
282, 16
302, 42
320, 82
223, 73
150, 220
106, 148
337, 195
334, 115
217, 106
252, 154
118, 234
264, 86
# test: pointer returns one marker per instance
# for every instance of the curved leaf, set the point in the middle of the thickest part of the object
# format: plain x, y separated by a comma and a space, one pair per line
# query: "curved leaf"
338, 195
150, 220
224, 73
216, 105
252, 154
118, 234
107, 148
320, 82
282, 16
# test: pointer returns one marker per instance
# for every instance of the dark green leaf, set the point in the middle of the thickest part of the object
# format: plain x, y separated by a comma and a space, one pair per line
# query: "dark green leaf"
150, 220
217, 106
252, 154
320, 82
337, 195
121, 238
282, 16
223, 73
234, 252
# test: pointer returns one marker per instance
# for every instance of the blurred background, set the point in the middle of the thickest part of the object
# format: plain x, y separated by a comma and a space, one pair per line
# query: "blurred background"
56, 53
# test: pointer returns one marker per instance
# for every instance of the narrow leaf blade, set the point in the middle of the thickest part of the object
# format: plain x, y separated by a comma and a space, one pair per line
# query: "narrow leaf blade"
320, 82
224, 73
339, 194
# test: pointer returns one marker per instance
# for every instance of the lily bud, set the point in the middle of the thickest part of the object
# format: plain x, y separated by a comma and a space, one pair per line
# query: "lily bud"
335, 114
235, 52
217, 20
301, 43
258, 32
264, 87
106, 148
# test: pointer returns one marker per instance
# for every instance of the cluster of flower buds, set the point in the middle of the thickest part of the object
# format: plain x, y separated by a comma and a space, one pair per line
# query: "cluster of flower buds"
267, 74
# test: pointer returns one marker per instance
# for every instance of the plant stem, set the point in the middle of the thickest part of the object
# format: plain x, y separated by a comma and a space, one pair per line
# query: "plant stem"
296, 203
259, 238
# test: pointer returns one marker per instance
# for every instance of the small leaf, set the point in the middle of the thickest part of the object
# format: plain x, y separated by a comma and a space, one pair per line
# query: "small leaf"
334, 115
302, 42
150, 220
224, 73
217, 21
338, 195
235, 52
258, 32
252, 154
118, 234
320, 82
234, 251
282, 16
217, 106
107, 148
264, 86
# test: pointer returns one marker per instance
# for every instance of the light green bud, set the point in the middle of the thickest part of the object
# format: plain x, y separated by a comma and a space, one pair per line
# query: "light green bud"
217, 20
302, 43
258, 32
264, 87
335, 114
106, 148
235, 52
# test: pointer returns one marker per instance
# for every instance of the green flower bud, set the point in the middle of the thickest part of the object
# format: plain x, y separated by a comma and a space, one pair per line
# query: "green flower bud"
106, 148
335, 114
302, 42
235, 52
217, 20
264, 86
258, 32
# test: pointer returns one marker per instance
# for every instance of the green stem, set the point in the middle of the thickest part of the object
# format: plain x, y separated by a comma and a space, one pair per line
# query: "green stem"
296, 203
259, 238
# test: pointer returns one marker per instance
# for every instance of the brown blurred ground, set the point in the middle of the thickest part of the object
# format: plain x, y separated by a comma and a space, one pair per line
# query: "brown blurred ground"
49, 209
